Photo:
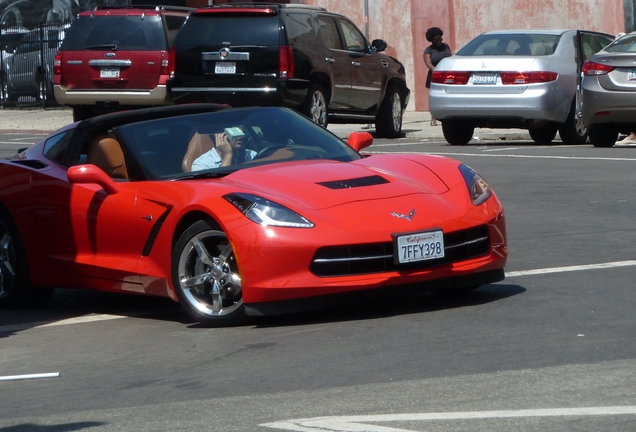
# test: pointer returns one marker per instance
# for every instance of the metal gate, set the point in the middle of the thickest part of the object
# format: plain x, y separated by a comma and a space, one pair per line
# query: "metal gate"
26, 64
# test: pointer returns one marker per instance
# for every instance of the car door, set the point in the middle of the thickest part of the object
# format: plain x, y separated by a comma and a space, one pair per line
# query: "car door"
337, 60
366, 71
587, 44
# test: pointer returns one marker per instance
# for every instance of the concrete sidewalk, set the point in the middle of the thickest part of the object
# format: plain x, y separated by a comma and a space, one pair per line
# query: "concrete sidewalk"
416, 125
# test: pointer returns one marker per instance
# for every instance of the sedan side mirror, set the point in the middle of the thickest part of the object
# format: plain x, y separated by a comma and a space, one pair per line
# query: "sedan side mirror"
379, 45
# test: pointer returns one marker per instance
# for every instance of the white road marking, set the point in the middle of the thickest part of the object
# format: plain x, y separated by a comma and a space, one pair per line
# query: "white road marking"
30, 376
512, 156
359, 423
571, 268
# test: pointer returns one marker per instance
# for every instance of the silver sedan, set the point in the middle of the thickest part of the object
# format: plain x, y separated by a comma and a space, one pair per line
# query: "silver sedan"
609, 92
523, 79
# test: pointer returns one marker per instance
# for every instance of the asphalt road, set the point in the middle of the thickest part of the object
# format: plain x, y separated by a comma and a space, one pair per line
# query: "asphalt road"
549, 348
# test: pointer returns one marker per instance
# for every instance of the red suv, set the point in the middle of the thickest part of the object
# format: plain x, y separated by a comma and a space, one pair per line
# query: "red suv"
116, 58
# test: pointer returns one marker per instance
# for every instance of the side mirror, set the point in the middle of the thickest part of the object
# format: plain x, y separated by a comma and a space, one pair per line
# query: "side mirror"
360, 140
86, 174
379, 45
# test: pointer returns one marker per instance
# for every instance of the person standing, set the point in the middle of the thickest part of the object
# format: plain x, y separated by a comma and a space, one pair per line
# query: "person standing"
433, 54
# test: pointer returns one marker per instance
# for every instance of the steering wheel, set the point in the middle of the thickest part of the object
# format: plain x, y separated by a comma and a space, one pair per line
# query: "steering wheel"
268, 151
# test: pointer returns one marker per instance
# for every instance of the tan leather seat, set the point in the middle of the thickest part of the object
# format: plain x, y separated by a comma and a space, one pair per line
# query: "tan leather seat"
199, 144
105, 152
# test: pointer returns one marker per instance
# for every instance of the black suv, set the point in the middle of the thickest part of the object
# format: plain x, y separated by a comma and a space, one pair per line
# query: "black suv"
297, 56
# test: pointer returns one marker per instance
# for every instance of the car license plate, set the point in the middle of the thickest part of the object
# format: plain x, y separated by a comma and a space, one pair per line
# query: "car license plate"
485, 78
225, 68
419, 246
631, 74
109, 73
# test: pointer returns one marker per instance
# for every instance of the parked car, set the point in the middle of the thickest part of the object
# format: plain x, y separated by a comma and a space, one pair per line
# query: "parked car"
119, 203
295, 56
523, 79
29, 69
609, 91
116, 58
9, 40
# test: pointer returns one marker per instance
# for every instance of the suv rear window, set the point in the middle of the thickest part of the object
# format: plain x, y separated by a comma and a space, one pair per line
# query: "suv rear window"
235, 29
511, 44
130, 33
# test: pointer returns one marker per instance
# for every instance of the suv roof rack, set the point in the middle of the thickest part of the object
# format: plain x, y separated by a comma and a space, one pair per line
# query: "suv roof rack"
151, 7
264, 5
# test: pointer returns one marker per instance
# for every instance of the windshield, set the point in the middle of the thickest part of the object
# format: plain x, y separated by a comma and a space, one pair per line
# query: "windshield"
218, 143
511, 44
130, 33
624, 44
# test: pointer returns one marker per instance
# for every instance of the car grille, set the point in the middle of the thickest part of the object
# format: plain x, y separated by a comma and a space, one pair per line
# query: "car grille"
378, 257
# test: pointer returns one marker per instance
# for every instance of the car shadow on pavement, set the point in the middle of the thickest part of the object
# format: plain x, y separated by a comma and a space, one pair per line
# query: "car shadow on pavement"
66, 427
383, 306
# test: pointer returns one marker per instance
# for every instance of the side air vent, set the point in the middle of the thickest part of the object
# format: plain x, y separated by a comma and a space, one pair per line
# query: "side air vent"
30, 163
354, 183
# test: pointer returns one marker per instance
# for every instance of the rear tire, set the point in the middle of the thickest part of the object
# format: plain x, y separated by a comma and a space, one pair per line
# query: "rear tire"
543, 135
388, 121
82, 112
573, 131
457, 133
603, 136
315, 106
15, 290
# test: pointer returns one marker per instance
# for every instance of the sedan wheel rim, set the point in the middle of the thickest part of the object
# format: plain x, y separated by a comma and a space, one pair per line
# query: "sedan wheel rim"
208, 275
318, 109
396, 111
7, 261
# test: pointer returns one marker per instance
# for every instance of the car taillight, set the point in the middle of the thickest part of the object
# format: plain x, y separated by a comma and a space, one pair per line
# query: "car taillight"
450, 77
171, 60
527, 77
286, 62
591, 68
57, 65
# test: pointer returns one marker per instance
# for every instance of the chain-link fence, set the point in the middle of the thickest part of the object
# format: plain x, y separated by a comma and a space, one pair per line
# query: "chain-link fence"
26, 64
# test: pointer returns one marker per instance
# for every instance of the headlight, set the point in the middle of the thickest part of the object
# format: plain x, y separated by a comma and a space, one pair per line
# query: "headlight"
478, 189
266, 212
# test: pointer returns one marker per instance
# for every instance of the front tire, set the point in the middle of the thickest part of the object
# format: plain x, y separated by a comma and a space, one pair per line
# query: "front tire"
388, 121
543, 135
573, 131
457, 133
205, 276
315, 106
603, 136
14, 276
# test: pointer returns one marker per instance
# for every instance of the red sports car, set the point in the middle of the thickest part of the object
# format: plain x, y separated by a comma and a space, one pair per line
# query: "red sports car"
236, 212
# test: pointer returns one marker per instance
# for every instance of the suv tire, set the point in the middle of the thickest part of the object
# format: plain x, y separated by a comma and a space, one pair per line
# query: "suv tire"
457, 133
82, 112
388, 121
315, 106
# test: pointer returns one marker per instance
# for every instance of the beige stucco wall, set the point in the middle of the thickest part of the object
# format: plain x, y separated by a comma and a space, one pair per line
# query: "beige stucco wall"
403, 24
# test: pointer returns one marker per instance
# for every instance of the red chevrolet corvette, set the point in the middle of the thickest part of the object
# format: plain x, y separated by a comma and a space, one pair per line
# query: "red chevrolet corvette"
235, 212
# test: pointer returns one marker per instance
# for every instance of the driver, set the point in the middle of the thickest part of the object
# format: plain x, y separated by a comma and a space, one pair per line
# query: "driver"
228, 149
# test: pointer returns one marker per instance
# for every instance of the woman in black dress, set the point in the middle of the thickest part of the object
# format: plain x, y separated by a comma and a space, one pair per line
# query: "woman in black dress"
433, 54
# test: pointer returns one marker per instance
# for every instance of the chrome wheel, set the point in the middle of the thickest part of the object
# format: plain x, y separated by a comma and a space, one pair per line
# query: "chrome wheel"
388, 120
396, 110
7, 262
318, 108
207, 279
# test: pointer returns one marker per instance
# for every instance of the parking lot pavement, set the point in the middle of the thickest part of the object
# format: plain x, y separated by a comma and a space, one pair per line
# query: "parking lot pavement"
415, 125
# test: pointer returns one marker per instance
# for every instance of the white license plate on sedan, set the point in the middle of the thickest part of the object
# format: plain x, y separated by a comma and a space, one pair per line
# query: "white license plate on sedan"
487, 78
631, 74
419, 246
109, 73
225, 68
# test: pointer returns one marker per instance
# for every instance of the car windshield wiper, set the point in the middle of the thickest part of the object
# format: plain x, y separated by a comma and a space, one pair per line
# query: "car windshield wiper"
112, 47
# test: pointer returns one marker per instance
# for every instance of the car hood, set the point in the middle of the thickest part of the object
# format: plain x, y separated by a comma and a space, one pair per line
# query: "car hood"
324, 184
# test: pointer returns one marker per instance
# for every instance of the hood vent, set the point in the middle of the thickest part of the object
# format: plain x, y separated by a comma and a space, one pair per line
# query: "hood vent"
354, 183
